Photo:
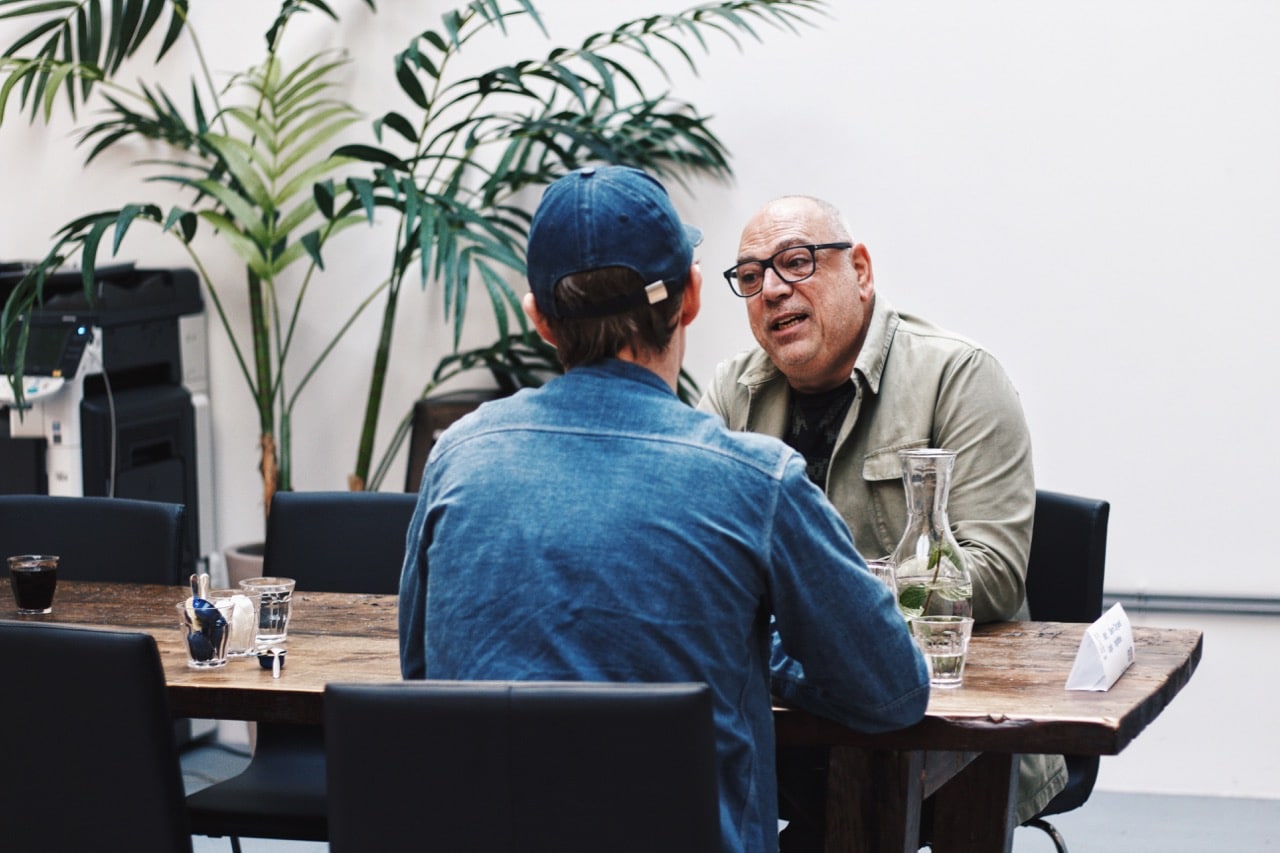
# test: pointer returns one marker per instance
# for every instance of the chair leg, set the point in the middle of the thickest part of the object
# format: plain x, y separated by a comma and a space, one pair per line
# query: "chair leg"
235, 844
1059, 842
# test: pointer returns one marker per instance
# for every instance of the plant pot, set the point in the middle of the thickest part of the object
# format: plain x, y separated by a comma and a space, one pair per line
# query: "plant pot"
243, 561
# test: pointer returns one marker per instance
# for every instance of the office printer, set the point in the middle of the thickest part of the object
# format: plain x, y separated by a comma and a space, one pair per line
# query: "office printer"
115, 392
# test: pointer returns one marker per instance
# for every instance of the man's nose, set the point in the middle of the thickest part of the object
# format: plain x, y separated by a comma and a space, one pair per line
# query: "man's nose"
774, 286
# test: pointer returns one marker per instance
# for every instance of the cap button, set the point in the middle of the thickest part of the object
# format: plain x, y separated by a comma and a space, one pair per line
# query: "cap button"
588, 171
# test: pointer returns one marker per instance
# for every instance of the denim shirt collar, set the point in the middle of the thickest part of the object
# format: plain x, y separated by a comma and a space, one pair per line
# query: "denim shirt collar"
620, 369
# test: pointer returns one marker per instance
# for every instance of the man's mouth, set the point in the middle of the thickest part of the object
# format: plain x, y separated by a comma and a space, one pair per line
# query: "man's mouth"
787, 322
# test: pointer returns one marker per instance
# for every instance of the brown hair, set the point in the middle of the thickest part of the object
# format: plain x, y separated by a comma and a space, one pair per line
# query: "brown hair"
587, 340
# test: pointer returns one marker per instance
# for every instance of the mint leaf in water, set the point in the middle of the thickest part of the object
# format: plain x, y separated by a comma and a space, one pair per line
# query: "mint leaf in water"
911, 600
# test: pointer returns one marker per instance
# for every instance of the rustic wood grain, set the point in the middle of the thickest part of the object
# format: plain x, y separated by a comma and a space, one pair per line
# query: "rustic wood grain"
333, 637
1014, 697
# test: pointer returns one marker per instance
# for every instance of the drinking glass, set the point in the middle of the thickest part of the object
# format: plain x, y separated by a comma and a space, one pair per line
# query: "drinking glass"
945, 643
243, 624
274, 598
885, 571
205, 627
33, 577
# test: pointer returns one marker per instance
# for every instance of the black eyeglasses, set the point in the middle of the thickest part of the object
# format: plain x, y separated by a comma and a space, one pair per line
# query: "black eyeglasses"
792, 264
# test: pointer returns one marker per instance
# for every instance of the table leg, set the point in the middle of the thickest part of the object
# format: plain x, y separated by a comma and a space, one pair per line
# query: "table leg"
873, 800
975, 812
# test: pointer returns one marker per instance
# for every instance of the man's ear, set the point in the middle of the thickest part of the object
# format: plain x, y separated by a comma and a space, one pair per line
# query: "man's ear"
862, 265
692, 303
531, 311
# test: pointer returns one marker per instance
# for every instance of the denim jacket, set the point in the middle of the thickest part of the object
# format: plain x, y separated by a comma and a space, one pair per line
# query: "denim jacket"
599, 529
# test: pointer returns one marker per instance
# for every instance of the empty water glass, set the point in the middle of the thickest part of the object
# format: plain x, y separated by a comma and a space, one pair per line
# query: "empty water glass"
274, 598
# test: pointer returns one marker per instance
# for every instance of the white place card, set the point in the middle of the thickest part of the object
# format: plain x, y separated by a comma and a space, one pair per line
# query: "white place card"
1106, 651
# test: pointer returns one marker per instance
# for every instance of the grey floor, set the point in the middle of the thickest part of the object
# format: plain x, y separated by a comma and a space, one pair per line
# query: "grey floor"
1108, 823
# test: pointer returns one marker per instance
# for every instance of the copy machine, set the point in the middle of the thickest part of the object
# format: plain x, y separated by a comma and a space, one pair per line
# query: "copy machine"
115, 395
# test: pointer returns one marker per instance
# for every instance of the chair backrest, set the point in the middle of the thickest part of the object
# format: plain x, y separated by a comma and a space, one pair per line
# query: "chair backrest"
1065, 573
1068, 559
88, 763
97, 538
432, 416
521, 766
338, 541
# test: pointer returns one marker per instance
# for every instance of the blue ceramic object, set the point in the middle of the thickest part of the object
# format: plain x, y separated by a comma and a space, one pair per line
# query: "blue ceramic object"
212, 628
211, 625
267, 657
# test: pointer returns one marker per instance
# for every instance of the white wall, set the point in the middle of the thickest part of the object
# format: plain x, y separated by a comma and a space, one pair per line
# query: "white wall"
1208, 741
1090, 189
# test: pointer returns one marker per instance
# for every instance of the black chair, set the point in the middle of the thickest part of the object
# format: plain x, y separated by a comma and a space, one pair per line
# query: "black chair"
83, 767
1064, 584
533, 767
432, 416
338, 541
327, 542
97, 538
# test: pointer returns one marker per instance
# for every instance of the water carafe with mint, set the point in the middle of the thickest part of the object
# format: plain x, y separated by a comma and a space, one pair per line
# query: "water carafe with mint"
932, 577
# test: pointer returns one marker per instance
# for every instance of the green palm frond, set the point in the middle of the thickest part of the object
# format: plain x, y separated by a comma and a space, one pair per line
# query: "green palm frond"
163, 122
80, 39
292, 7
258, 178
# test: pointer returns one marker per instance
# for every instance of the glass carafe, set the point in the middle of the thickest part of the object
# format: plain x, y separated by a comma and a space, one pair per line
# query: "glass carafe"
932, 577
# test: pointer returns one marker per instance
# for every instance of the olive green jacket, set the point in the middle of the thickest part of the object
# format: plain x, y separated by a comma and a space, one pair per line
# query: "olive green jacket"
916, 386
920, 386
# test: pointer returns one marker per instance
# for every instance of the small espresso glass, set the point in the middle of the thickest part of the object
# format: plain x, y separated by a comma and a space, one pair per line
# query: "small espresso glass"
33, 577
945, 643
274, 599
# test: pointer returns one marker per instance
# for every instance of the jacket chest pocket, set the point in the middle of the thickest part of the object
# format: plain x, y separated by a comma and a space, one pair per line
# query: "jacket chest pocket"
886, 508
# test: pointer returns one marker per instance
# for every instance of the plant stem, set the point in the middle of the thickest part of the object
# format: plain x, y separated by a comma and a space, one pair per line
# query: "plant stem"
935, 563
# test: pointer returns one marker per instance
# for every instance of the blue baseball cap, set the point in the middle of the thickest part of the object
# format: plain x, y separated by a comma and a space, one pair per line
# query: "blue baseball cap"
608, 216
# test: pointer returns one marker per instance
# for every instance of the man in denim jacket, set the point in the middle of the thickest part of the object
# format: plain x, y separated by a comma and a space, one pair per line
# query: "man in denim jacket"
849, 381
599, 529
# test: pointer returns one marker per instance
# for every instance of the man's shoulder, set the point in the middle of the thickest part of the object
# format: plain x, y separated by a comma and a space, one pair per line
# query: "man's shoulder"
491, 416
736, 375
753, 362
921, 332
767, 454
922, 345
738, 380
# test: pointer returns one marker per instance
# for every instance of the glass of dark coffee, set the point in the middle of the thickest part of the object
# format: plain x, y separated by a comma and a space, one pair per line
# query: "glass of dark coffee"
34, 577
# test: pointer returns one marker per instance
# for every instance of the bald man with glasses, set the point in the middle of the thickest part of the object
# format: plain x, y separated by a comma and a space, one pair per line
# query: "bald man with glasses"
848, 381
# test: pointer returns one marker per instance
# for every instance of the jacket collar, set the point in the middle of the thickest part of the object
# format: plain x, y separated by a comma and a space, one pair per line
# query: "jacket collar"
875, 349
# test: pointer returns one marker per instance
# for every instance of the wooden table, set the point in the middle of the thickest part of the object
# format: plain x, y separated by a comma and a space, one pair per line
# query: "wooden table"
964, 751
333, 637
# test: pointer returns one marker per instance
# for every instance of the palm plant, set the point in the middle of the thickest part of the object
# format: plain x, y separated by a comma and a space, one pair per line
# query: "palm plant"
453, 167
247, 156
